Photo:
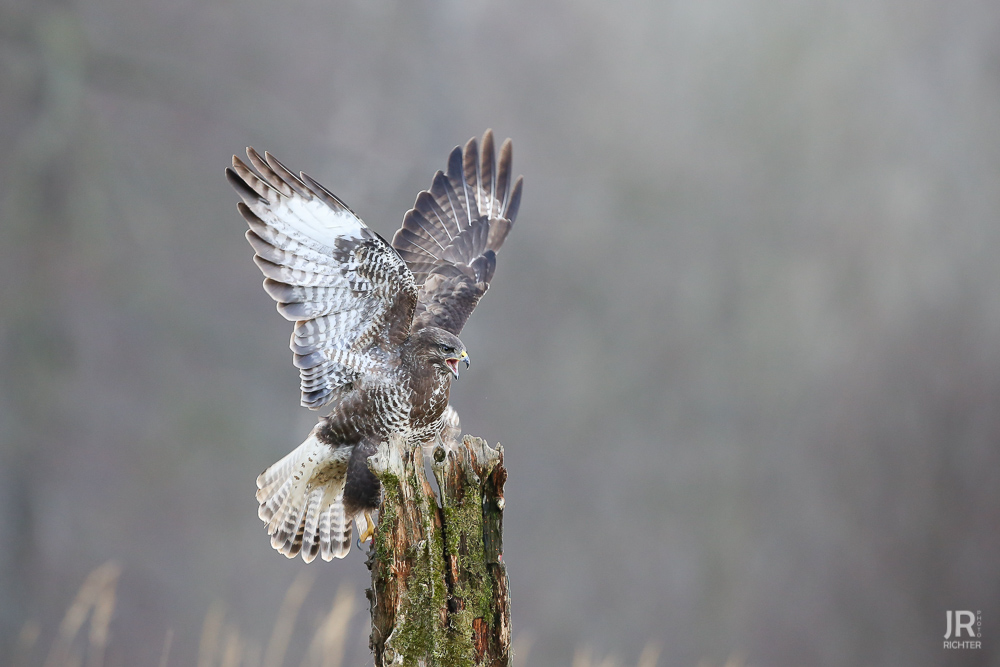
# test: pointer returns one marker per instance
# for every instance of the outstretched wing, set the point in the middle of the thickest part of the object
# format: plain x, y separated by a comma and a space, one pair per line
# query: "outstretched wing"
351, 296
450, 237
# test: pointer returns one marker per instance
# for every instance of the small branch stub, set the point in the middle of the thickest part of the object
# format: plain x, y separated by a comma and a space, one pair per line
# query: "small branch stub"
439, 592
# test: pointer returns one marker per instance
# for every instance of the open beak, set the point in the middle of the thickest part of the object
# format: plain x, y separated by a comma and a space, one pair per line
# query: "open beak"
453, 363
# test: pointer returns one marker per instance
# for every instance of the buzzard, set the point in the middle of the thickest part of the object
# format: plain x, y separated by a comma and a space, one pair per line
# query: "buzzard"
376, 326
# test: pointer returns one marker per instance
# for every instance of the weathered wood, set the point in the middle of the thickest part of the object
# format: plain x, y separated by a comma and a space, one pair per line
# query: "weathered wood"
439, 592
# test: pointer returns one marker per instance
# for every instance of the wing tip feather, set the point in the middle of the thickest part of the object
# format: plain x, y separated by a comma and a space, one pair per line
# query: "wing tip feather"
246, 192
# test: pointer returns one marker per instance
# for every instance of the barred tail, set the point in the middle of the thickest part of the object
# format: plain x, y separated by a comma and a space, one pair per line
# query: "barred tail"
302, 501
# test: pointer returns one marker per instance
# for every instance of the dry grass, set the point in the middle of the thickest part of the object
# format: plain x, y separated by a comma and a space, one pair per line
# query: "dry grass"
222, 645
95, 602
584, 657
650, 656
82, 638
78, 644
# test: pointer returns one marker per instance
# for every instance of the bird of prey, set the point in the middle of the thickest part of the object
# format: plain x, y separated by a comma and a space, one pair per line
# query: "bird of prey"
376, 326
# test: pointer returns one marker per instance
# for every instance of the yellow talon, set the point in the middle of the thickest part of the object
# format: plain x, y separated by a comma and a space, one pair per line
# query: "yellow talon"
369, 528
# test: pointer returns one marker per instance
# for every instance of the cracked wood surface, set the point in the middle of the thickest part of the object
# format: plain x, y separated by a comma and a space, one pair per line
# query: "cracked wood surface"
439, 592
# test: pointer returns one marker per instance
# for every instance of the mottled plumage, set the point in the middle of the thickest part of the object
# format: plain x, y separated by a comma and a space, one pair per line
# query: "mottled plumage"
376, 326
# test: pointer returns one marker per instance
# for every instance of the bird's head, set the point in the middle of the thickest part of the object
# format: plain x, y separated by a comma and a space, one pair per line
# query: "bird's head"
442, 350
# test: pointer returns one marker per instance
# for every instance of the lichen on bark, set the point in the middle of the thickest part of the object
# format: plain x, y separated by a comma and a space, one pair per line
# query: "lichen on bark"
439, 591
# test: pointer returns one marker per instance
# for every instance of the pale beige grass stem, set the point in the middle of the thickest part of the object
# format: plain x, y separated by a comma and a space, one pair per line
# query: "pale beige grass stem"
96, 600
327, 646
274, 654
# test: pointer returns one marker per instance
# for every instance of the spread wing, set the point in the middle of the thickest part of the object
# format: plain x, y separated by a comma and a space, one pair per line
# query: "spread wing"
351, 296
450, 237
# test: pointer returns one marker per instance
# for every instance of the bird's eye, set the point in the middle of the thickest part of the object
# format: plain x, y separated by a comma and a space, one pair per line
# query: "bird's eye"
447, 349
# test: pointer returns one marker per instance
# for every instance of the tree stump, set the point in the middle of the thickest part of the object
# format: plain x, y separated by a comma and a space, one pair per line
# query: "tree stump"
439, 591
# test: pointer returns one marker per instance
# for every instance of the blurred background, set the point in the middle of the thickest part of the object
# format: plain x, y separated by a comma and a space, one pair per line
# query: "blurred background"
742, 347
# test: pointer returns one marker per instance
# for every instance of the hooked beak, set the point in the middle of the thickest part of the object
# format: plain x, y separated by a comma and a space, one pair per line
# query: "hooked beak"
453, 362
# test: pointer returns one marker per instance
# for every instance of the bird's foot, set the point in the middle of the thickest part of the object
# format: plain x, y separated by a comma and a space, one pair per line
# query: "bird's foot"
369, 531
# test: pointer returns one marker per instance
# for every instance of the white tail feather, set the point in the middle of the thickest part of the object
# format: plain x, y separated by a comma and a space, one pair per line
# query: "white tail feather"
302, 501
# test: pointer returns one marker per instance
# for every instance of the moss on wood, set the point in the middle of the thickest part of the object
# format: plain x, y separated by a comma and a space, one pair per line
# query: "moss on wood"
439, 589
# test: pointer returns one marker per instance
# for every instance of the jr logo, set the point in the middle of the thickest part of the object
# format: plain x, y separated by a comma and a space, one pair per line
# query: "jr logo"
964, 620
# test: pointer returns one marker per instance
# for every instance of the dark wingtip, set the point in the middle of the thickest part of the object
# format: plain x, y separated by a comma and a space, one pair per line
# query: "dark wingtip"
515, 200
455, 165
241, 186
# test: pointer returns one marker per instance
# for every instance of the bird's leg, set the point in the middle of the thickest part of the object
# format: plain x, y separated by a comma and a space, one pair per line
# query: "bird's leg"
369, 529
369, 532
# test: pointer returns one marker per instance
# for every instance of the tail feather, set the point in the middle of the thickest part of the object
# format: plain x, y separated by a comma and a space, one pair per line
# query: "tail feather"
325, 535
337, 542
302, 501
310, 532
284, 529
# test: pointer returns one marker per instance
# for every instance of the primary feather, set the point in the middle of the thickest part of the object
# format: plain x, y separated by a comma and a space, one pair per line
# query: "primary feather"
376, 325
449, 239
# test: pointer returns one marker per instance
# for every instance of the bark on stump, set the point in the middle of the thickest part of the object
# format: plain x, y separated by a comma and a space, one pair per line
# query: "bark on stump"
439, 586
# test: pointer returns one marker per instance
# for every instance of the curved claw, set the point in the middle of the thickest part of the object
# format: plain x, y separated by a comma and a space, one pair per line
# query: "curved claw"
369, 532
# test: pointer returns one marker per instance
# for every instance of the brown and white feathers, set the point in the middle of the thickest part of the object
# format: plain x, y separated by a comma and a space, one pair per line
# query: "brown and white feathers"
366, 315
450, 237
